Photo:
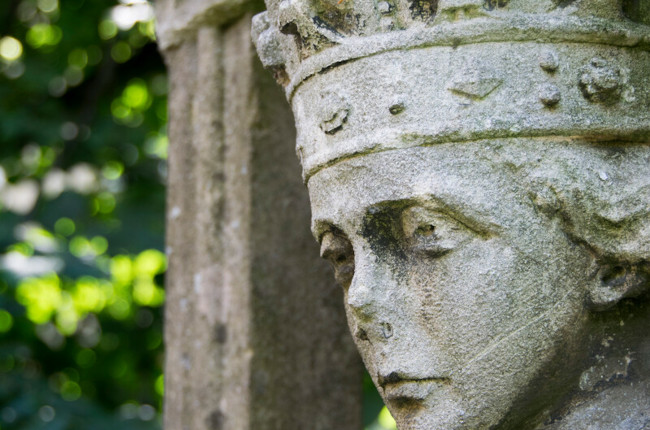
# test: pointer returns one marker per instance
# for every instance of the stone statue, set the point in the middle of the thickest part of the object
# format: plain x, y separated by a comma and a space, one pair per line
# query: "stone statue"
479, 175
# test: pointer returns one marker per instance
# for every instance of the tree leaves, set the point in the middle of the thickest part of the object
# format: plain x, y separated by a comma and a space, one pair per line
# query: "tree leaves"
82, 171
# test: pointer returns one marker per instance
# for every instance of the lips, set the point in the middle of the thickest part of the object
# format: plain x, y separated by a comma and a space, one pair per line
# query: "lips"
401, 387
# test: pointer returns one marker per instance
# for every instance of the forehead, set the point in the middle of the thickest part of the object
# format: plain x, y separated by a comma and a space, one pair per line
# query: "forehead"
455, 178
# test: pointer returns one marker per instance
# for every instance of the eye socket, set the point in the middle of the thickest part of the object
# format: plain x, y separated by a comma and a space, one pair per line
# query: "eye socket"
337, 249
425, 230
431, 232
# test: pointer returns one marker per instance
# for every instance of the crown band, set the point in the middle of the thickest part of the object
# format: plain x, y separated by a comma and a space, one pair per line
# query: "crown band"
566, 29
401, 99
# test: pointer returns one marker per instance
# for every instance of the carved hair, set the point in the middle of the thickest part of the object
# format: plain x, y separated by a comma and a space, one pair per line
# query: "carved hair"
601, 195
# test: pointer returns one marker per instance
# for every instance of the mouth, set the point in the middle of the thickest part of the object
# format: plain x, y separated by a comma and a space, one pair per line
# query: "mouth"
397, 387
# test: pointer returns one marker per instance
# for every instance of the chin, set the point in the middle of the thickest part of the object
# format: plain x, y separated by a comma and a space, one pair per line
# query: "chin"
444, 409
441, 418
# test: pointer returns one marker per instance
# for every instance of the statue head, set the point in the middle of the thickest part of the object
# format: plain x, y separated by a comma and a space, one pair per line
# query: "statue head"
475, 285
479, 174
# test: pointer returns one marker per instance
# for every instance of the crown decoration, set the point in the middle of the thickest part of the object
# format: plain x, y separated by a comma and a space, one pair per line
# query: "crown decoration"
373, 75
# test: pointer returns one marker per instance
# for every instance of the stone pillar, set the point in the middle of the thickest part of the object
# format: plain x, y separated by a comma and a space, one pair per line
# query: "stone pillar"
255, 331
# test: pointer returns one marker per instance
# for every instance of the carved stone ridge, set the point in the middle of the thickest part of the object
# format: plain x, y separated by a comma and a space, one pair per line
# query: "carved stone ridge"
178, 20
310, 36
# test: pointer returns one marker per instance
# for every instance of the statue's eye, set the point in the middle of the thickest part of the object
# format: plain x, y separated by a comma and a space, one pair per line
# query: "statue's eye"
336, 249
426, 229
432, 232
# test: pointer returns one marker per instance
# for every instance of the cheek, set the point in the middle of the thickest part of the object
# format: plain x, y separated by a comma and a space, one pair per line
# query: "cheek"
479, 294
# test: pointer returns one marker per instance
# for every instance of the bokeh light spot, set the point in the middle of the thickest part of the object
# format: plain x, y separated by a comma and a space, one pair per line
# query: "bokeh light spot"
136, 95
113, 170
48, 6
126, 15
70, 391
6, 321
121, 269
57, 86
146, 293
148, 29
160, 385
88, 296
69, 130
43, 35
86, 358
107, 29
121, 52
156, 146
26, 11
80, 247
120, 111
10, 48
99, 244
104, 203
386, 419
78, 58
150, 262
146, 413
40, 296
120, 309
14, 70
73, 75
46, 413
64, 226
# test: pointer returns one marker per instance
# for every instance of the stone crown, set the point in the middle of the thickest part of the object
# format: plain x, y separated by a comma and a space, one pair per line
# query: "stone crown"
372, 75
290, 32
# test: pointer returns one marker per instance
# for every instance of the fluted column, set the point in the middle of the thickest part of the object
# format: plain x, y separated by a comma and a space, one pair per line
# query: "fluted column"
255, 332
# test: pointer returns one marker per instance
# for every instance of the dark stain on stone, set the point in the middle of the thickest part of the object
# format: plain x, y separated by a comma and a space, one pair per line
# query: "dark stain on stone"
396, 108
633, 10
216, 420
423, 10
495, 4
221, 333
332, 66
563, 3
290, 28
337, 21
382, 229
280, 75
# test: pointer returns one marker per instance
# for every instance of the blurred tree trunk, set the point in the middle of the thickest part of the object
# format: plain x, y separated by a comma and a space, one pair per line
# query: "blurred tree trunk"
255, 331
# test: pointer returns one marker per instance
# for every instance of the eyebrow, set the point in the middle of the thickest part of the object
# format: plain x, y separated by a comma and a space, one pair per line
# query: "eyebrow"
321, 226
470, 220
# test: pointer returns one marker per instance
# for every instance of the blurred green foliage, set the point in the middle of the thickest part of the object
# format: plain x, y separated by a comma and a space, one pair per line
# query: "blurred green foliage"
375, 414
82, 171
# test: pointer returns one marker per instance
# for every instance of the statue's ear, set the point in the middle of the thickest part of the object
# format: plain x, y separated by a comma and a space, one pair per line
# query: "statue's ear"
616, 282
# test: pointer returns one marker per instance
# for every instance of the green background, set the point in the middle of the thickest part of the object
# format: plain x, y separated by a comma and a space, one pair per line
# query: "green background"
83, 95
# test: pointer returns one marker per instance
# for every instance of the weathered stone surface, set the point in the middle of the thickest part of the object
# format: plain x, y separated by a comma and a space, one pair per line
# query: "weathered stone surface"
255, 336
479, 270
179, 20
479, 176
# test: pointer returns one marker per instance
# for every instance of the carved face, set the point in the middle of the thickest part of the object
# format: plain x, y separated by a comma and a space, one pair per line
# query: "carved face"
465, 302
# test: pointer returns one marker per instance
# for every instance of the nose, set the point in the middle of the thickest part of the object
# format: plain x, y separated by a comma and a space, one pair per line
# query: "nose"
359, 296
375, 303
371, 291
